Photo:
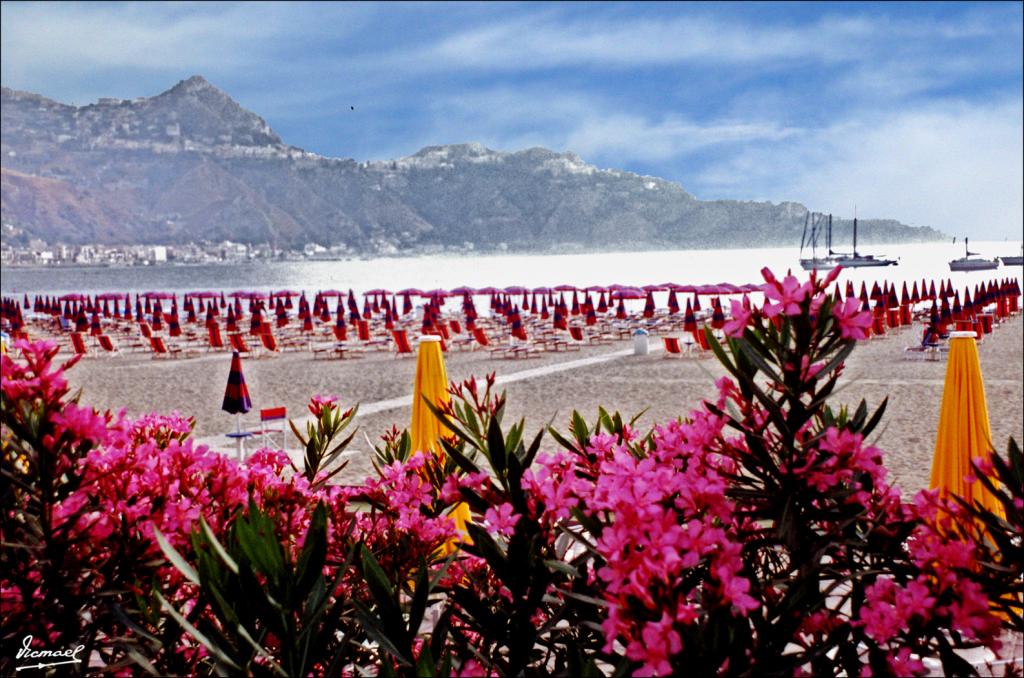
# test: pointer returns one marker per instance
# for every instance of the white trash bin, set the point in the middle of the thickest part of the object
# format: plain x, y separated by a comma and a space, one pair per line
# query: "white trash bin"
640, 346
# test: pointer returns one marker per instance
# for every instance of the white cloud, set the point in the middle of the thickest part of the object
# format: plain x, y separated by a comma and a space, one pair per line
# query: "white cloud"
513, 118
633, 137
549, 40
952, 165
80, 41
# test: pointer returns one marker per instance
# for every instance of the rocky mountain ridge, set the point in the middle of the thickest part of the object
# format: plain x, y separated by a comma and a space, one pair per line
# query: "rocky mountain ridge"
191, 164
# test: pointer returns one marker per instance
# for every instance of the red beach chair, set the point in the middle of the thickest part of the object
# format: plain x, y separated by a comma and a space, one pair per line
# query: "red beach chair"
216, 343
78, 344
672, 346
481, 337
238, 344
269, 342
272, 422
161, 350
107, 344
402, 347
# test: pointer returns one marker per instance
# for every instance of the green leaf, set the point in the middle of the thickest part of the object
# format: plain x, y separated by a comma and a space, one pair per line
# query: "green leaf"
875, 418
562, 440
217, 547
580, 430
172, 555
195, 633
459, 458
496, 447
531, 453
758, 360
309, 567
419, 597
562, 567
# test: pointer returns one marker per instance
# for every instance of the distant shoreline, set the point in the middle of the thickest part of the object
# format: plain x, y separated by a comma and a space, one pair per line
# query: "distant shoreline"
426, 252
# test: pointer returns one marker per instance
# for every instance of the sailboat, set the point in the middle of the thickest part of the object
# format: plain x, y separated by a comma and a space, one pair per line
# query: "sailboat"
965, 263
856, 260
1014, 260
816, 263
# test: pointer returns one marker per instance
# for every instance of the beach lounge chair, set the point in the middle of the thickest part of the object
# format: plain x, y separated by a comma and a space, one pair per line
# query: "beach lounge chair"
402, 347
481, 337
673, 347
930, 348
78, 344
215, 341
701, 344
335, 350
269, 344
272, 422
238, 344
162, 350
107, 344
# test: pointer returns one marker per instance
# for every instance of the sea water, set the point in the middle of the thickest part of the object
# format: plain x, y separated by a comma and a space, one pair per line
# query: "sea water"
737, 266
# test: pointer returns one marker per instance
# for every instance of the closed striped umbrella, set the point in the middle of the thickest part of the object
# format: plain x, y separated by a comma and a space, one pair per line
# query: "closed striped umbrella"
649, 305
236, 397
673, 303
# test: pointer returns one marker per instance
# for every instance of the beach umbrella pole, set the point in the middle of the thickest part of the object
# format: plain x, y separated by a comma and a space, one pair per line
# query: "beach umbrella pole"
238, 433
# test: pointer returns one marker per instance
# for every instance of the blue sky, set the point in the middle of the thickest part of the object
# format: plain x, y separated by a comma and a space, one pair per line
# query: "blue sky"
911, 111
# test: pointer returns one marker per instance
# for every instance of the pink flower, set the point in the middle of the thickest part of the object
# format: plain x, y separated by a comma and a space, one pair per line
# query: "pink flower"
501, 519
789, 293
852, 322
740, 319
318, 402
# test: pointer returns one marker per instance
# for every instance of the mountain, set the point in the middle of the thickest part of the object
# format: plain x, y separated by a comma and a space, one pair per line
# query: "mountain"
191, 164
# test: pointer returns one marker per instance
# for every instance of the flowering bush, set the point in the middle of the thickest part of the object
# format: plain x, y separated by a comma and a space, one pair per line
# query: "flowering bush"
756, 535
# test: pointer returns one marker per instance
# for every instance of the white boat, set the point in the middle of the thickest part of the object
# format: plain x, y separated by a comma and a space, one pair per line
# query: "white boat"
817, 223
1017, 260
966, 263
857, 260
833, 259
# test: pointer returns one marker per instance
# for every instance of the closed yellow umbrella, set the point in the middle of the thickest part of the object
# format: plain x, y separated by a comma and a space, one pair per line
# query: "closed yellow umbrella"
964, 432
425, 431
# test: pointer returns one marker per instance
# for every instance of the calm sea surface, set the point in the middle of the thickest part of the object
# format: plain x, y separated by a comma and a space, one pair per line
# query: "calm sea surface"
446, 271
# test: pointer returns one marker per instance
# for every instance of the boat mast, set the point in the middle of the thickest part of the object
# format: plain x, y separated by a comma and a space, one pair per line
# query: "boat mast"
829, 235
803, 238
855, 231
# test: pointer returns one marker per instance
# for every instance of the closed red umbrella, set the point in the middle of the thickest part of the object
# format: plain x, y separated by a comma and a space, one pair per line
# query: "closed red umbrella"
236, 397
173, 326
689, 319
717, 315
673, 303
649, 305
558, 321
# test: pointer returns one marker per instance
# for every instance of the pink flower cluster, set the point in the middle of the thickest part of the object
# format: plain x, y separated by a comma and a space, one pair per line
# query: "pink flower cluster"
662, 514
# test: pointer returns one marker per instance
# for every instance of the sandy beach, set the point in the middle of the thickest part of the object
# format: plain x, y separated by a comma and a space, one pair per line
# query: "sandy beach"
547, 388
